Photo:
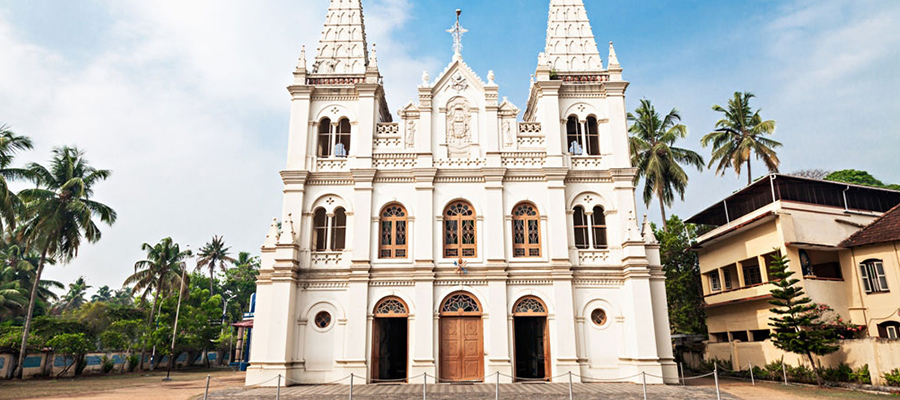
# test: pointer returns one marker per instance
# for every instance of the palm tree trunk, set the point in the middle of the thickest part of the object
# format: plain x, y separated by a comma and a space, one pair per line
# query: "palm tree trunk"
749, 173
211, 279
23, 351
662, 210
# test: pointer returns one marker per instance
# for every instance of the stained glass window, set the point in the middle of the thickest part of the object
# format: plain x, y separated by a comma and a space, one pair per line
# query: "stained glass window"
460, 235
530, 305
393, 232
391, 306
323, 319
526, 231
460, 303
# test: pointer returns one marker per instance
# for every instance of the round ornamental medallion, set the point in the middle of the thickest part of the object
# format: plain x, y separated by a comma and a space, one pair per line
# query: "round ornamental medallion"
323, 319
598, 316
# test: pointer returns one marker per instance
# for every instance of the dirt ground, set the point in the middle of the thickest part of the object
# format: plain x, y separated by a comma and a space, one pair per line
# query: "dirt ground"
146, 386
770, 390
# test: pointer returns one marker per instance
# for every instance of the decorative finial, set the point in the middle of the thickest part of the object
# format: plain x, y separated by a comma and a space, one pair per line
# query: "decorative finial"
491, 77
613, 60
272, 236
457, 32
649, 236
301, 64
425, 78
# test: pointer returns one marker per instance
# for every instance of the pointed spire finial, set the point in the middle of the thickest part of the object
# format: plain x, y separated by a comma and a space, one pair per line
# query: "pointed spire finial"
457, 32
272, 236
287, 231
301, 63
649, 236
613, 60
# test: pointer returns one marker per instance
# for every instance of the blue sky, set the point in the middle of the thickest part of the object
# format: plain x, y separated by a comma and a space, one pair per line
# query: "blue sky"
185, 100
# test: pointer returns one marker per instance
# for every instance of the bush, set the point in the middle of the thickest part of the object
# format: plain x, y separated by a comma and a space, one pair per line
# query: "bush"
107, 364
841, 373
801, 374
862, 375
133, 361
892, 378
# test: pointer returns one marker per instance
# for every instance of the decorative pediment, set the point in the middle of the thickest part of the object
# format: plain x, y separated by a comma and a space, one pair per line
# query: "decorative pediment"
508, 109
458, 78
409, 110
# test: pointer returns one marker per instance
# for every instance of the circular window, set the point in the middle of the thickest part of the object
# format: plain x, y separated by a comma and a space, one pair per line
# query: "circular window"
323, 319
598, 316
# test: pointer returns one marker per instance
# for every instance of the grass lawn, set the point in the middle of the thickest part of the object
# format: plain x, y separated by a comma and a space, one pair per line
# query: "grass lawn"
72, 387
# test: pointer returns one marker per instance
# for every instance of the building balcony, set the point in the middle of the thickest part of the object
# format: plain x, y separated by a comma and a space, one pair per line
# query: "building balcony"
331, 164
326, 259
586, 162
588, 257
746, 293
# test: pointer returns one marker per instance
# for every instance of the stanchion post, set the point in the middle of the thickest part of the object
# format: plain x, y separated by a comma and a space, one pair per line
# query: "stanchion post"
278, 388
206, 393
351, 386
716, 376
570, 385
644, 383
681, 372
424, 384
497, 387
752, 379
784, 371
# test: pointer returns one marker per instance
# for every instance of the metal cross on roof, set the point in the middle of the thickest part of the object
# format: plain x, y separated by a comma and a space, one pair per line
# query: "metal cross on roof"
457, 32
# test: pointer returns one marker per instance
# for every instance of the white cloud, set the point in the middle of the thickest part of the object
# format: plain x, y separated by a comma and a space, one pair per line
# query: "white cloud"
186, 104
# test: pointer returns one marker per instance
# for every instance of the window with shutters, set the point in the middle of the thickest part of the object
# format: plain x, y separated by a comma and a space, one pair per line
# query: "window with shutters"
598, 227
392, 232
459, 230
338, 229
580, 224
320, 230
526, 224
873, 277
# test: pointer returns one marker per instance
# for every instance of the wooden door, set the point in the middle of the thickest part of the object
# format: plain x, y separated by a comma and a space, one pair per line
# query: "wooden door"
462, 349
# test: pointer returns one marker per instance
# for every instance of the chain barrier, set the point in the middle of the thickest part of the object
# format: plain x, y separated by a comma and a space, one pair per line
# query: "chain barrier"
698, 376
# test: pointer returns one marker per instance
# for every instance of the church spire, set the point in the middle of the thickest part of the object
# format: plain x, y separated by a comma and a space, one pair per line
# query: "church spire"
342, 47
570, 41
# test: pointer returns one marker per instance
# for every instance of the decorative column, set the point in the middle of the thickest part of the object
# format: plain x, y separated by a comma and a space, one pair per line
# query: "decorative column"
358, 286
495, 244
423, 358
565, 354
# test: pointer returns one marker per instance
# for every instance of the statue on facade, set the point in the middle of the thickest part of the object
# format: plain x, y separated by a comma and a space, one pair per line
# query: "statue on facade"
410, 134
459, 135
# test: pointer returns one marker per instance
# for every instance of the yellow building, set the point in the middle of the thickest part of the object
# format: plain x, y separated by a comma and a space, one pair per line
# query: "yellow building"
808, 220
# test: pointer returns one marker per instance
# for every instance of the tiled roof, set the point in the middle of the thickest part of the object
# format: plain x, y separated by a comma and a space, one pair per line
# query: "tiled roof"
884, 229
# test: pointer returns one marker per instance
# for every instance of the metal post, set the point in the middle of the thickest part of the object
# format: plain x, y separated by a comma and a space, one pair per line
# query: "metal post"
206, 393
644, 383
278, 388
424, 383
570, 385
681, 369
784, 371
497, 387
752, 379
716, 376
351, 386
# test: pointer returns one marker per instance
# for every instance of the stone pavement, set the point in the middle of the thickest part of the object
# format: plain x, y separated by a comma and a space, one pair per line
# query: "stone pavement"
520, 391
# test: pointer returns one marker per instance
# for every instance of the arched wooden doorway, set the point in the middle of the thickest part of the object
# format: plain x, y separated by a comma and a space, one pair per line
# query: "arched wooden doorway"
531, 339
461, 339
390, 340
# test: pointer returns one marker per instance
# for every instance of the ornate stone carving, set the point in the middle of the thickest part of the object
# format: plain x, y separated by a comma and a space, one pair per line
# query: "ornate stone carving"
459, 131
458, 82
509, 138
410, 134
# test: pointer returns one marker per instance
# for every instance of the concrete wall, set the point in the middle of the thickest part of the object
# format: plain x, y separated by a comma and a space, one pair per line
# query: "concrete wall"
49, 363
881, 355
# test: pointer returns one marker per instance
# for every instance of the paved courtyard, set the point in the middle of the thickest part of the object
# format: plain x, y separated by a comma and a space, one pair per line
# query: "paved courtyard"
536, 391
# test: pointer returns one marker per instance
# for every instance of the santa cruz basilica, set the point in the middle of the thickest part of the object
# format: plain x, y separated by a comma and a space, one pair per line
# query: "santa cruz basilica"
454, 237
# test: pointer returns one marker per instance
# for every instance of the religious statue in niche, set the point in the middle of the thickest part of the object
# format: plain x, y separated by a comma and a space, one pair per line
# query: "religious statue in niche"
459, 132
509, 138
410, 134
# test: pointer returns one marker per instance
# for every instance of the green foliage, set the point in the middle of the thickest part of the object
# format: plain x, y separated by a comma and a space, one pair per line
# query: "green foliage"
857, 177
107, 363
841, 373
892, 378
133, 361
740, 134
213, 255
862, 375
112, 341
103, 294
798, 327
683, 290
73, 346
653, 153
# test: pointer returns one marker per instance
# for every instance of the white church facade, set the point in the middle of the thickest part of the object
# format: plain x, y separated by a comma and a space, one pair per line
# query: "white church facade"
452, 238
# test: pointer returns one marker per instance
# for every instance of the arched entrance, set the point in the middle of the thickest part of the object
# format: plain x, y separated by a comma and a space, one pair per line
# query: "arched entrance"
461, 339
531, 339
390, 340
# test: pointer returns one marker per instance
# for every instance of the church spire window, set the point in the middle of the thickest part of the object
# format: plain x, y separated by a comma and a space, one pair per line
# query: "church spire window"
334, 138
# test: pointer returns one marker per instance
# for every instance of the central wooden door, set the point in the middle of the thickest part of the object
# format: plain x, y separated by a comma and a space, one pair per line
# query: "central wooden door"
462, 349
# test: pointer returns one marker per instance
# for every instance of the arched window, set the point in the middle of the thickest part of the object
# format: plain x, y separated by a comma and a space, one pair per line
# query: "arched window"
393, 232
580, 223
338, 229
391, 307
526, 224
324, 148
459, 230
460, 303
574, 141
598, 227
320, 230
529, 306
334, 139
593, 138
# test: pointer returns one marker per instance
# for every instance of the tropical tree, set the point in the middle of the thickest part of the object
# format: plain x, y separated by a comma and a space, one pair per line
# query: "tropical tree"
23, 267
683, 289
74, 298
122, 296
798, 327
12, 295
240, 283
10, 204
60, 213
213, 255
658, 161
103, 294
740, 134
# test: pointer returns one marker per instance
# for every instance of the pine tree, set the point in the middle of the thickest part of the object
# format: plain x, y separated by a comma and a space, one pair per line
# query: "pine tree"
798, 328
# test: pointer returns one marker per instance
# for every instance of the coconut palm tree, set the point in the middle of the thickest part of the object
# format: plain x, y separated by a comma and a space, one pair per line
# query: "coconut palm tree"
10, 205
657, 159
103, 294
739, 134
213, 254
24, 266
12, 294
74, 298
60, 213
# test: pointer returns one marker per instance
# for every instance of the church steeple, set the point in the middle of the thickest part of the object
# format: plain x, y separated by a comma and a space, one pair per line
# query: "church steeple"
570, 41
342, 48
